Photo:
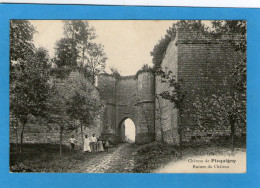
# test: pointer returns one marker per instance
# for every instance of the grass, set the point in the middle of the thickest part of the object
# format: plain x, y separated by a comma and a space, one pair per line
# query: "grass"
152, 156
147, 158
46, 158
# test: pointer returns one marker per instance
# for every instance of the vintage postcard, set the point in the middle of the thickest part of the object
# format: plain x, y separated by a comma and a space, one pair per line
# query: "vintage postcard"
128, 96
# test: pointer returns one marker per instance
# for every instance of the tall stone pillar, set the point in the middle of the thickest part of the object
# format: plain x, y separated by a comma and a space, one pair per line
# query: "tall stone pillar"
145, 106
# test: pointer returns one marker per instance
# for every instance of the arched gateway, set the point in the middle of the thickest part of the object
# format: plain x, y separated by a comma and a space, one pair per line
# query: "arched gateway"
128, 97
127, 131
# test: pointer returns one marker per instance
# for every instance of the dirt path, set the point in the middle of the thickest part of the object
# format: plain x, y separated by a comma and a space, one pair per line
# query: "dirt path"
119, 159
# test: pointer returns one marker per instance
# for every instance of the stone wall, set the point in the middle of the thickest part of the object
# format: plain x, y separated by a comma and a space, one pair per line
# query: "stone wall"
126, 91
146, 106
166, 114
38, 131
202, 62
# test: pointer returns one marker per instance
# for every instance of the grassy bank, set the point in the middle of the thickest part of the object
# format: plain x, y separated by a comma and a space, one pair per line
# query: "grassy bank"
155, 155
46, 158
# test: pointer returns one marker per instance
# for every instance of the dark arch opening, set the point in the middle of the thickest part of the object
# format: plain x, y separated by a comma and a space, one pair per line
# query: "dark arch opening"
127, 131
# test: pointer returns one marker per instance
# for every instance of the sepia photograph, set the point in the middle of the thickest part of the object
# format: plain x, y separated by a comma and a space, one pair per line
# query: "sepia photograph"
128, 96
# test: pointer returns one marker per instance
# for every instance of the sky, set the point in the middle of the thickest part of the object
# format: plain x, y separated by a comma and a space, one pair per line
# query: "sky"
130, 130
127, 43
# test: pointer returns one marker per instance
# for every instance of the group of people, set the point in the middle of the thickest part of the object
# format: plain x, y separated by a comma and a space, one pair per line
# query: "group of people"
91, 144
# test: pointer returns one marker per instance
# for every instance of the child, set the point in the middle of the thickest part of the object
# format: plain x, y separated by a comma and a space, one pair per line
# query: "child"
73, 141
93, 143
106, 145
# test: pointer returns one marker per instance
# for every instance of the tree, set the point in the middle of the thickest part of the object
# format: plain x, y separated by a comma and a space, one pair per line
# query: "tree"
21, 35
57, 114
83, 108
176, 95
66, 53
80, 33
42, 55
28, 92
96, 59
161, 46
73, 104
78, 50
28, 76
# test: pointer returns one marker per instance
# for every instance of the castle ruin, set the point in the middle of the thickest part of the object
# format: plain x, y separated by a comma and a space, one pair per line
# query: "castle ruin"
198, 59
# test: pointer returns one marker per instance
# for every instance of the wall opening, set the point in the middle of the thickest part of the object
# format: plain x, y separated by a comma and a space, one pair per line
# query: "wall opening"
128, 132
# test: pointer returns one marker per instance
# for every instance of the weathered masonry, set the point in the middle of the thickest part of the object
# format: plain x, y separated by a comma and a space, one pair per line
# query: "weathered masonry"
43, 132
202, 62
128, 97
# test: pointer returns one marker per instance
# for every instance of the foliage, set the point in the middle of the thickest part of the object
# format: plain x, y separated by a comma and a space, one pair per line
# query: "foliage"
227, 108
159, 49
82, 107
28, 75
73, 103
177, 93
91, 56
96, 59
145, 68
78, 50
66, 53
79, 30
21, 35
57, 106
236, 31
42, 55
57, 111
115, 72
215, 111
29, 89
28, 83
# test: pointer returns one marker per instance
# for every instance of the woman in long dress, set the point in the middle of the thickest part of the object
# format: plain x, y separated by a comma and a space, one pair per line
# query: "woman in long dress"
100, 145
87, 144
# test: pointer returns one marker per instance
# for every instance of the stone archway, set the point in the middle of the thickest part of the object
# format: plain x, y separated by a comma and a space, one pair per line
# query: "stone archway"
127, 130
128, 97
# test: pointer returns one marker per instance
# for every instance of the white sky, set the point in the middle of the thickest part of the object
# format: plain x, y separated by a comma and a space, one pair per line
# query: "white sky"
127, 43
130, 129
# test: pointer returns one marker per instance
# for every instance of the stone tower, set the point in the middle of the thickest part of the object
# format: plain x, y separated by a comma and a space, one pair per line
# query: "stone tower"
128, 97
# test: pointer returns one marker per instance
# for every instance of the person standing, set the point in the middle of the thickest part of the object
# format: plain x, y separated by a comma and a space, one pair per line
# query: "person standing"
73, 141
93, 143
100, 145
86, 144
106, 145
